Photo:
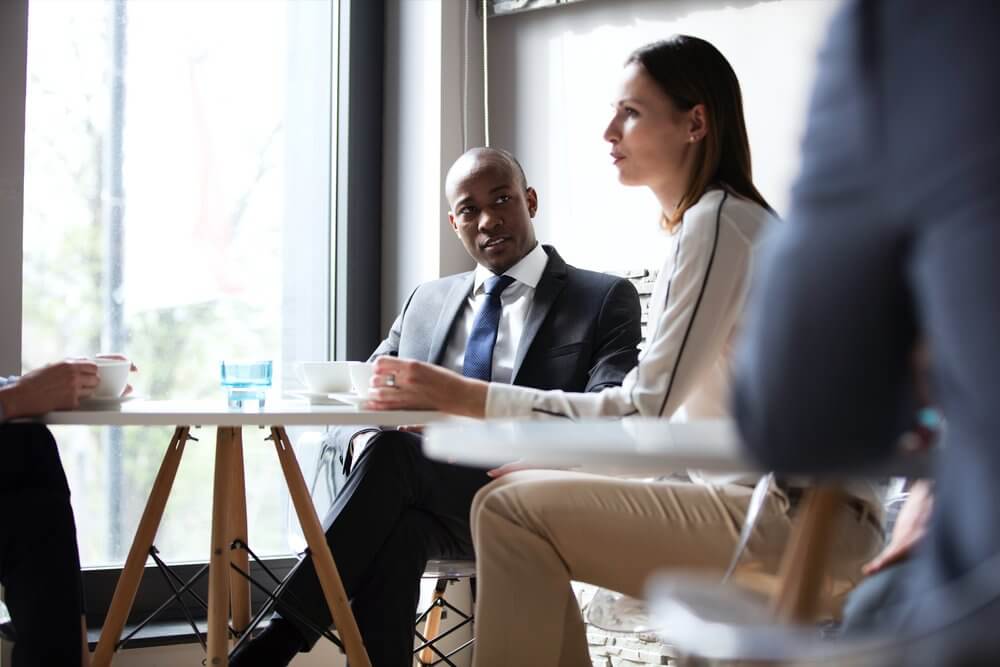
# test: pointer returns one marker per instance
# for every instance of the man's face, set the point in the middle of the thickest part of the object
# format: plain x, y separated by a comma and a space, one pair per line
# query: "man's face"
491, 211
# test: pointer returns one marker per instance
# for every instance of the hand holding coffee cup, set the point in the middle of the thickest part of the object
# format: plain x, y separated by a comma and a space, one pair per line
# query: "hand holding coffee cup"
56, 386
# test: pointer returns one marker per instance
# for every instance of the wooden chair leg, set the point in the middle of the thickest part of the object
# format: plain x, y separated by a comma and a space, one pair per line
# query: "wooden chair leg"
432, 625
803, 564
135, 563
239, 587
218, 571
326, 569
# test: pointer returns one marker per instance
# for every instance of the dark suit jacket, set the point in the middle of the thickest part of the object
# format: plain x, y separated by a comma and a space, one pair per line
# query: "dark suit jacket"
894, 234
581, 334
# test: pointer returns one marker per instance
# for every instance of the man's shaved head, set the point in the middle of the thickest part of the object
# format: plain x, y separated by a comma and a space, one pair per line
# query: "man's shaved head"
480, 157
491, 207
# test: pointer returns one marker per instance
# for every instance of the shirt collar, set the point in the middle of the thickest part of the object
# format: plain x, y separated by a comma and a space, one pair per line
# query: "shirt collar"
528, 271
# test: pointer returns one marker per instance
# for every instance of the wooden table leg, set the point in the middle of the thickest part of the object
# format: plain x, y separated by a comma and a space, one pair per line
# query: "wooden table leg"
239, 587
326, 569
803, 564
218, 569
135, 563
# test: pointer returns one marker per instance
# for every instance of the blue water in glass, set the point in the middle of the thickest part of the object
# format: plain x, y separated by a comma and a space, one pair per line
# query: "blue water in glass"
246, 382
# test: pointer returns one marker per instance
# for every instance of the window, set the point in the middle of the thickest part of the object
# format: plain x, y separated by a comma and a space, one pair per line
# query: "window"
177, 208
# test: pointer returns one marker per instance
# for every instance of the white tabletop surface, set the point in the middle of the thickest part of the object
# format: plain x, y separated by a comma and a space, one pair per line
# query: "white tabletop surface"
140, 412
635, 445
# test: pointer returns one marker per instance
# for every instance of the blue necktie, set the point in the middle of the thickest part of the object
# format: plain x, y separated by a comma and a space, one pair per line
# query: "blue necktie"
479, 350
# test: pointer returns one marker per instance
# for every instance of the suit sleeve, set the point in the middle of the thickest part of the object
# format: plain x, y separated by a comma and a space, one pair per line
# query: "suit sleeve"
620, 331
390, 345
339, 437
822, 376
704, 299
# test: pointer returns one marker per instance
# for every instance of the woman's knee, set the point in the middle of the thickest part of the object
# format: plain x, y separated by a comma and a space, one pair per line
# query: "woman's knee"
492, 496
478, 502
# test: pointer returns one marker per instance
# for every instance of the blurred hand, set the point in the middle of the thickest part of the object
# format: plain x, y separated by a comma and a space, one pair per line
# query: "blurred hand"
411, 428
910, 528
507, 468
58, 386
401, 384
515, 466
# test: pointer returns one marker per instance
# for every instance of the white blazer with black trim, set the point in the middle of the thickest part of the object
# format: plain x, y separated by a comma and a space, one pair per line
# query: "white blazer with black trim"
684, 372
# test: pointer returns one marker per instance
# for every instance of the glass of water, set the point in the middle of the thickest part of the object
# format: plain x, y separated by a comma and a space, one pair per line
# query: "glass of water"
246, 382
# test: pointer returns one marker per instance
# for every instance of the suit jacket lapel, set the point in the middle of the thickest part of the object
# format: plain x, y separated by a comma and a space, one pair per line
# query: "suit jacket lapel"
460, 290
549, 287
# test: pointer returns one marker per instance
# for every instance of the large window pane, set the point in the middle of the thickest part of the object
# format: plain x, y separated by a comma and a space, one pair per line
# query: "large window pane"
177, 189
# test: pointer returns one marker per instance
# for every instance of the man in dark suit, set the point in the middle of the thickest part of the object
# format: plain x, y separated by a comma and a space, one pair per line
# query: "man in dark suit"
523, 316
893, 236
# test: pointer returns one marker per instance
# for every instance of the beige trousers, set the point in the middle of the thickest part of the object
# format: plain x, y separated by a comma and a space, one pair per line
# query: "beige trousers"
536, 530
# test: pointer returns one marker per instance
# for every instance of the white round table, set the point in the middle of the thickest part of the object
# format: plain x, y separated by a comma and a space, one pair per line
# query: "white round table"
229, 522
635, 445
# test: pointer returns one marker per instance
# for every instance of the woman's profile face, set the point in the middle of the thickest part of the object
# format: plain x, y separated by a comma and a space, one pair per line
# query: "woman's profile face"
650, 138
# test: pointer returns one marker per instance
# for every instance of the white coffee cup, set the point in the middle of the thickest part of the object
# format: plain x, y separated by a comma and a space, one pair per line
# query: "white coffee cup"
112, 377
361, 376
326, 377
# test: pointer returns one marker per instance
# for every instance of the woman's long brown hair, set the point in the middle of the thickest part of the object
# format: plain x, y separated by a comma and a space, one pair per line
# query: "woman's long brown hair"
691, 71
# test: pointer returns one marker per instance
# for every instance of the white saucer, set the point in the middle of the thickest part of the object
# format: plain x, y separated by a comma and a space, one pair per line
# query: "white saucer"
102, 403
350, 398
316, 397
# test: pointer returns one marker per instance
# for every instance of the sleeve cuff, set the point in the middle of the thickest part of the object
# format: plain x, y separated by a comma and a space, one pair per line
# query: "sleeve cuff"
507, 400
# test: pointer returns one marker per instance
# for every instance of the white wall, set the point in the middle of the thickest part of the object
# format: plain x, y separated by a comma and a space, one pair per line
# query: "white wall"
423, 135
552, 74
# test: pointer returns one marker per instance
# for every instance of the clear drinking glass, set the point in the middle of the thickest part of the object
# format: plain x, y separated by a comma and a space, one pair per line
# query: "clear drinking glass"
246, 382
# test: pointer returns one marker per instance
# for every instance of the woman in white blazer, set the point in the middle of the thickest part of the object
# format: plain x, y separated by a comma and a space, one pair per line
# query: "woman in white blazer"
677, 129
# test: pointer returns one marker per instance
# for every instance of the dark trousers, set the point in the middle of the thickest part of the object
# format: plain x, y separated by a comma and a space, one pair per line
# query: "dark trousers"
397, 511
39, 559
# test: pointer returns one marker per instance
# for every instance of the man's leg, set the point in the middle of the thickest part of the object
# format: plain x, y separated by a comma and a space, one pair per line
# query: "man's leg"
386, 605
39, 558
391, 478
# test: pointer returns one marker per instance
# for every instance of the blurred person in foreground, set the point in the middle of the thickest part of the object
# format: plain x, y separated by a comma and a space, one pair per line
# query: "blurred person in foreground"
893, 235
39, 558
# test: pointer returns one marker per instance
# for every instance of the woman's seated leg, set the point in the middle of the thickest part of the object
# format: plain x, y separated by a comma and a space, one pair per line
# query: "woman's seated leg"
535, 531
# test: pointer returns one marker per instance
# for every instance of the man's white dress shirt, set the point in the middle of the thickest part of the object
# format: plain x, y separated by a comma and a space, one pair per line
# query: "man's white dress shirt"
516, 302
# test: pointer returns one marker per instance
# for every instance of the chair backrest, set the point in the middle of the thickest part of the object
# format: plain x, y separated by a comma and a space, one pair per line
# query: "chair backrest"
643, 280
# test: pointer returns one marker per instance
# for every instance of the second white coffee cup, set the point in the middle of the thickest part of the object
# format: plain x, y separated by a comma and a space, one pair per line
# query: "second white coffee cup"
326, 376
361, 376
